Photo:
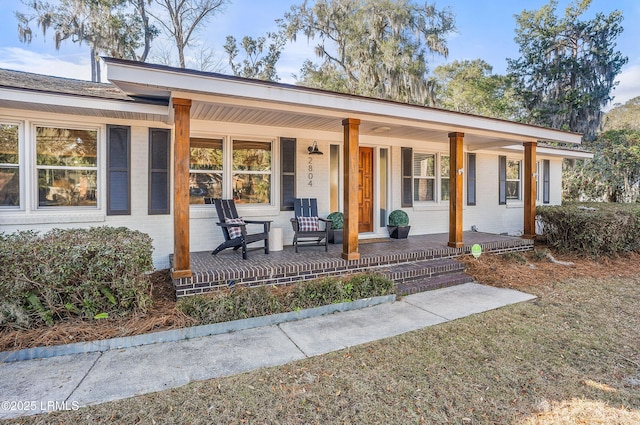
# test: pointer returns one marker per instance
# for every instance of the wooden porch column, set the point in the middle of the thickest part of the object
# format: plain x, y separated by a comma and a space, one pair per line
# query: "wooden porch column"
181, 255
530, 190
455, 189
351, 158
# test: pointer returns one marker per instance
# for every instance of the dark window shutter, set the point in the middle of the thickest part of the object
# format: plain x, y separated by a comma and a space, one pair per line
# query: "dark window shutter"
407, 177
471, 179
159, 153
118, 170
287, 173
546, 188
502, 177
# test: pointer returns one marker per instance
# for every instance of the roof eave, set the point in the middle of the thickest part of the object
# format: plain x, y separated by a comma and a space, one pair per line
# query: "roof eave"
25, 96
154, 79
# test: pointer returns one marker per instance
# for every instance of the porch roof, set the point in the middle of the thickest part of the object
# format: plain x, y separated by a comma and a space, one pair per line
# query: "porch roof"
141, 91
224, 98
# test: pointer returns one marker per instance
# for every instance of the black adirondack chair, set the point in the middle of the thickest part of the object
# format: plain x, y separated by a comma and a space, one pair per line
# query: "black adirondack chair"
234, 229
308, 228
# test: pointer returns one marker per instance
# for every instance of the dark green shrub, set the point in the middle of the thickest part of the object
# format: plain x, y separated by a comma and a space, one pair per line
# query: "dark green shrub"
74, 272
337, 220
239, 304
398, 218
262, 301
591, 230
366, 284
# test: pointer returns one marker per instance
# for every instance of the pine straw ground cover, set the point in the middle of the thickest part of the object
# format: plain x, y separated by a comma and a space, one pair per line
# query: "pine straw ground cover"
570, 357
218, 306
162, 315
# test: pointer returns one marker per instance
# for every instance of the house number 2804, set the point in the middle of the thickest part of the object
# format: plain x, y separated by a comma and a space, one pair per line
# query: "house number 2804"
310, 175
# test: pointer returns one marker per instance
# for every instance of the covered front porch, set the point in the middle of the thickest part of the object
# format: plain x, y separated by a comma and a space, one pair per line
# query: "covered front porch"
447, 170
415, 264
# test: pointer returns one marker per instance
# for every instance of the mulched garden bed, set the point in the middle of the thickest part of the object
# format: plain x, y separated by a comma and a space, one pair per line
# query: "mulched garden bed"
162, 315
516, 271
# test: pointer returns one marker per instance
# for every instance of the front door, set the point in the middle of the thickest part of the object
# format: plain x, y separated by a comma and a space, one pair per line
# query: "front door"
365, 190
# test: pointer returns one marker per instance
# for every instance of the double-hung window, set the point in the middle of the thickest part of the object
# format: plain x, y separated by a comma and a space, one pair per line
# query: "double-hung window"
510, 180
514, 176
430, 177
251, 172
205, 169
67, 167
424, 177
444, 178
9, 166
227, 167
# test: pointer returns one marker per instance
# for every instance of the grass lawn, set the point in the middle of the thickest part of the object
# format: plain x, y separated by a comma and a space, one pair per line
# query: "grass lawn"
570, 357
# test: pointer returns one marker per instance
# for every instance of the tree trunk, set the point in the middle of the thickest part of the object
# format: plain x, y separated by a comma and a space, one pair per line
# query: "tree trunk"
93, 66
147, 35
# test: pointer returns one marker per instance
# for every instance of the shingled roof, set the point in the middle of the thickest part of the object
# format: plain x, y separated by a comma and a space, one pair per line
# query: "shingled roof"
58, 85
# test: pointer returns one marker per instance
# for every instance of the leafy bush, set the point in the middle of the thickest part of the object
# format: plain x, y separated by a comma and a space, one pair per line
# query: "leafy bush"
262, 301
337, 220
398, 218
591, 229
90, 273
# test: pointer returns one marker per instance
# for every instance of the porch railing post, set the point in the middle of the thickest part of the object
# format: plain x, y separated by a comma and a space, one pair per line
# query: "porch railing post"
351, 158
456, 170
530, 178
181, 255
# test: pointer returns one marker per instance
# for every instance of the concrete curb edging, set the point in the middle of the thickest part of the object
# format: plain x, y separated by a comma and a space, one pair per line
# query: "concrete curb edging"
187, 333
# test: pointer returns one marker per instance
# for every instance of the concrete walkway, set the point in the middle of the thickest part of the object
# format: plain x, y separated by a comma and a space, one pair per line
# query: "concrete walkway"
68, 382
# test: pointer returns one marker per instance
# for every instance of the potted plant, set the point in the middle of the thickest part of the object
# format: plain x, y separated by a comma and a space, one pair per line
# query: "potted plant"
398, 226
337, 224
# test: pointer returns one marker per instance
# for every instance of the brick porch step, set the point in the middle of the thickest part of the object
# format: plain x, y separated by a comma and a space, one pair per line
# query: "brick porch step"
431, 283
418, 276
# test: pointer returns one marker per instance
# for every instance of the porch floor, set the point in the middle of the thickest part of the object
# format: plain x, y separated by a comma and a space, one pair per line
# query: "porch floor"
211, 272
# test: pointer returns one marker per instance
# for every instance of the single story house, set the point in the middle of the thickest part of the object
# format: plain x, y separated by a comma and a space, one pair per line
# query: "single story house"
144, 150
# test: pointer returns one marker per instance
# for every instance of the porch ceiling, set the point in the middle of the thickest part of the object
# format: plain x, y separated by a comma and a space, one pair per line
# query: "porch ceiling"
291, 119
331, 121
370, 126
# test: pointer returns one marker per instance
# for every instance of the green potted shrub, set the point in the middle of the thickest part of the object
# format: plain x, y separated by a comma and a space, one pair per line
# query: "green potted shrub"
337, 224
398, 226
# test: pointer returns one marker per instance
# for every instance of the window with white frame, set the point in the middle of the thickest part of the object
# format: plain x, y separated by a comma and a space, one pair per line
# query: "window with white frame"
514, 176
444, 178
424, 177
251, 171
9, 166
430, 177
67, 166
249, 178
205, 169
